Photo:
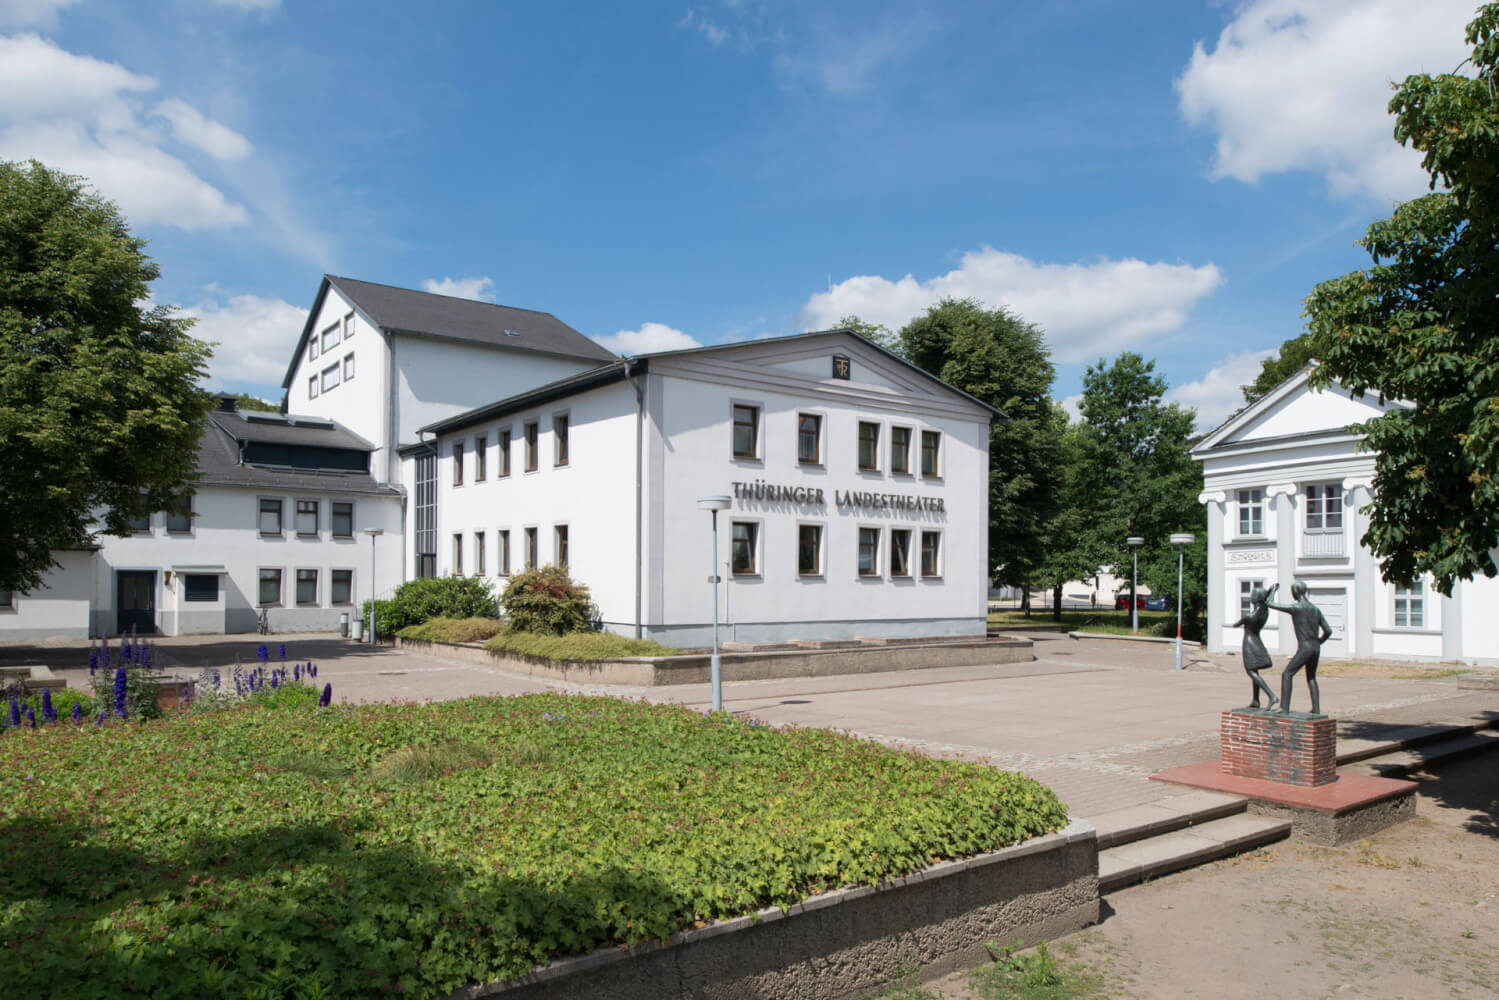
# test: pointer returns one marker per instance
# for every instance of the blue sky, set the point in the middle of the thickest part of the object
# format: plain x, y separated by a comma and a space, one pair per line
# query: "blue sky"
1171, 177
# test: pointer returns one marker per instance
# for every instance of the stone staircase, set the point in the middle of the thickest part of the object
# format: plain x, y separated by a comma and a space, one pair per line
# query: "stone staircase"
1175, 833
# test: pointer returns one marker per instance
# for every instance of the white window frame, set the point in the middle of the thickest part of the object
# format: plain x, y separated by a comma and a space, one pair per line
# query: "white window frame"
1327, 507
1250, 501
936, 573
331, 334
330, 377
1409, 602
316, 601
260, 601
317, 518
1246, 588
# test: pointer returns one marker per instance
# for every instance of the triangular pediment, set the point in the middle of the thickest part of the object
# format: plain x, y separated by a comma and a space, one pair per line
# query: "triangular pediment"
1294, 409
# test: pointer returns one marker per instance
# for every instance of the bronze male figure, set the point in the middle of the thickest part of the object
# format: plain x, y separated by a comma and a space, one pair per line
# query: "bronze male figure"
1256, 657
1312, 631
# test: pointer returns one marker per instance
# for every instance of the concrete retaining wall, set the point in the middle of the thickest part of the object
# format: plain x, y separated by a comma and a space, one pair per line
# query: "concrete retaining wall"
657, 671
851, 942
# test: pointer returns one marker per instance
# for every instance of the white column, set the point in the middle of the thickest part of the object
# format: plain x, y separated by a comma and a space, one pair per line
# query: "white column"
1283, 499
1217, 581
1357, 494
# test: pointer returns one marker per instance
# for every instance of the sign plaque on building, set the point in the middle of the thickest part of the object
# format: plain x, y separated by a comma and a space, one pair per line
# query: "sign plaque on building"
842, 368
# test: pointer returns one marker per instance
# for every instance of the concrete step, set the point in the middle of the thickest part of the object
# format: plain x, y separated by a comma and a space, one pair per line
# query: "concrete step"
1422, 756
1176, 851
1398, 738
1151, 819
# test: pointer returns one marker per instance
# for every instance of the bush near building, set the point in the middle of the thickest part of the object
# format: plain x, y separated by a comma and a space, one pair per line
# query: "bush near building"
547, 601
422, 599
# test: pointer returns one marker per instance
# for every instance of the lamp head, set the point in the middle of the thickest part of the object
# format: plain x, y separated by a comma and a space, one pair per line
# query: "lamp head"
715, 503
1183, 538
1134, 541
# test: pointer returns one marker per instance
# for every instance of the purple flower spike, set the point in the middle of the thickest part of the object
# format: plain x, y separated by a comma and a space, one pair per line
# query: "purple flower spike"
327, 697
120, 691
77, 713
100, 720
275, 682
296, 672
282, 652
313, 668
15, 712
263, 653
30, 717
49, 711
93, 660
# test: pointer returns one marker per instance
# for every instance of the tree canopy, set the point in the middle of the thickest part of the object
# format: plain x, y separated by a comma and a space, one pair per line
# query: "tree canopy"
1420, 326
876, 333
1290, 359
100, 407
1001, 359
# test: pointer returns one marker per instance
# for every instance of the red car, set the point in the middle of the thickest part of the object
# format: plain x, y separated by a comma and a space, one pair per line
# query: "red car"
1121, 602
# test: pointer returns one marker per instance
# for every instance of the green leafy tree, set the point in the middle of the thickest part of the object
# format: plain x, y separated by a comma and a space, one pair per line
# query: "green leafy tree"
1073, 552
1290, 359
245, 401
1420, 326
998, 357
100, 404
876, 333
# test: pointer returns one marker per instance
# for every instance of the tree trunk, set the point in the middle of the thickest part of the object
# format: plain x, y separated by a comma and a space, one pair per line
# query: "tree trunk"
1056, 603
1025, 598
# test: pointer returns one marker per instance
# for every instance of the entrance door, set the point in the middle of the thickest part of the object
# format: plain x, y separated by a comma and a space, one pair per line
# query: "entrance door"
137, 601
1334, 605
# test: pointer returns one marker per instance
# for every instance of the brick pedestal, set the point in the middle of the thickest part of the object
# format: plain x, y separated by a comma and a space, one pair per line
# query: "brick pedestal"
1292, 749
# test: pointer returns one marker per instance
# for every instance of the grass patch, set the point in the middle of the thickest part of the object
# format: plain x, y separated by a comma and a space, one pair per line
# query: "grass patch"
453, 630
272, 849
577, 646
1152, 623
1034, 975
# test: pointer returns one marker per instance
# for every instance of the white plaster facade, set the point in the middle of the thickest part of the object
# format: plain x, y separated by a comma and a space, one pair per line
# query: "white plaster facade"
1286, 489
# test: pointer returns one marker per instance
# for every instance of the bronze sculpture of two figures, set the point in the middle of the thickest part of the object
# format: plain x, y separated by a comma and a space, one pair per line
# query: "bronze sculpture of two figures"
1312, 631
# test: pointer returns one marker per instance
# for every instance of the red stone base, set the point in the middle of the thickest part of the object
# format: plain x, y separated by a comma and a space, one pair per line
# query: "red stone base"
1347, 792
1293, 749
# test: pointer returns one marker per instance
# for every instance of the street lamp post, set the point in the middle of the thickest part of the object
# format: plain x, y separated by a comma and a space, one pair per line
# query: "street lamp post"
1181, 540
373, 533
1134, 542
714, 504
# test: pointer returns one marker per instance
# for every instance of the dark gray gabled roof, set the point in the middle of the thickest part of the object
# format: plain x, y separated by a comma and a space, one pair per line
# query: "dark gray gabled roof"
427, 314
279, 428
223, 434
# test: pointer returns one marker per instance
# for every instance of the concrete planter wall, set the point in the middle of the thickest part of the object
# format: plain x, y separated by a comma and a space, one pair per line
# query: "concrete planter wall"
848, 943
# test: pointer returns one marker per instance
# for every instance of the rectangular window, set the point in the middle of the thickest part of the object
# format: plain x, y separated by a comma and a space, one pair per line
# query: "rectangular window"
348, 367
746, 430
330, 377
312, 387
457, 463
141, 523
457, 555
7, 599
306, 587
530, 548
503, 541
307, 511
270, 586
479, 553
481, 458
900, 451
809, 549
869, 446
426, 515
1251, 512
869, 551
312, 348
1410, 605
1246, 590
343, 519
270, 517
1324, 507
809, 438
931, 441
531, 432
181, 523
330, 337
559, 440
348, 326
343, 586
200, 587
742, 548
930, 550
504, 453
900, 552
559, 540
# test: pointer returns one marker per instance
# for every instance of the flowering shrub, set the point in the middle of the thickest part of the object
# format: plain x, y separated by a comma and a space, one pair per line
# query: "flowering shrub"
124, 679
547, 601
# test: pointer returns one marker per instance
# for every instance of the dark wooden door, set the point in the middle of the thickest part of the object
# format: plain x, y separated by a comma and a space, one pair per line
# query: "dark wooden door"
137, 601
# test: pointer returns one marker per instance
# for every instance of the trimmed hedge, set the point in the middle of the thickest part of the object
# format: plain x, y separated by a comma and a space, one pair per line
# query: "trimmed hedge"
454, 630
578, 646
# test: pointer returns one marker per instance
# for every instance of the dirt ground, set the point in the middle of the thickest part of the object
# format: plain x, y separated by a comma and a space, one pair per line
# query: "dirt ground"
1410, 914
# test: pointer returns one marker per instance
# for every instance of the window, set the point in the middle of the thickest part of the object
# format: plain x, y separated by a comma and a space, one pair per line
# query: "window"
900, 552
869, 446
530, 548
479, 553
141, 523
306, 587
930, 542
1410, 605
900, 451
181, 523
481, 448
312, 387
1246, 590
8, 599
869, 551
809, 549
1251, 512
270, 517
330, 377
746, 431
457, 463
343, 586
742, 547
270, 586
808, 438
200, 587
343, 519
931, 441
502, 540
531, 433
1324, 507
330, 337
559, 439
348, 367
348, 326
457, 555
426, 516
504, 453
312, 348
560, 541
307, 511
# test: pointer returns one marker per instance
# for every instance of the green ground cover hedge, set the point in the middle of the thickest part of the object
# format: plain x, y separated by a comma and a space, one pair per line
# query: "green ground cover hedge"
454, 630
271, 851
581, 646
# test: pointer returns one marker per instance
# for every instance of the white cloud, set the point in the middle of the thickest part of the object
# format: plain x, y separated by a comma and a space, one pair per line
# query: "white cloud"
480, 289
1220, 392
848, 61
193, 129
255, 335
81, 115
1086, 309
651, 337
31, 13
1304, 84
1072, 406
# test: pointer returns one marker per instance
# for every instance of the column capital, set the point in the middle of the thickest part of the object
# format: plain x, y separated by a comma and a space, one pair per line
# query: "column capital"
1212, 496
1282, 490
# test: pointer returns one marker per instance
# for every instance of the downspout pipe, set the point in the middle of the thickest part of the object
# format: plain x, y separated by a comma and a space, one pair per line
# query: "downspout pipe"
639, 459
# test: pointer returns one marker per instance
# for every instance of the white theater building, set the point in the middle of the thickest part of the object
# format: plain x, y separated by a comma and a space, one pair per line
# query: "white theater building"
1285, 488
